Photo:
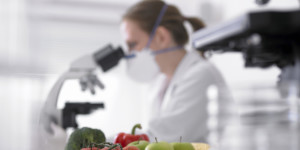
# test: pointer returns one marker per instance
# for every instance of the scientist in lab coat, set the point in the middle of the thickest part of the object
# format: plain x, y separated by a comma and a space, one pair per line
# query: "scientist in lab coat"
156, 37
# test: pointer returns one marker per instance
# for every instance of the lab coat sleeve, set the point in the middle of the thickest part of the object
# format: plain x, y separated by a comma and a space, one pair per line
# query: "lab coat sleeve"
186, 112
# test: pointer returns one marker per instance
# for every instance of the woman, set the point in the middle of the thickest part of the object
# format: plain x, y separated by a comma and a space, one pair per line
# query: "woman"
155, 35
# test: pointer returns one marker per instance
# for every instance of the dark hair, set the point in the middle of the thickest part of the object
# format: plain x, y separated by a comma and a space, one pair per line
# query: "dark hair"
146, 12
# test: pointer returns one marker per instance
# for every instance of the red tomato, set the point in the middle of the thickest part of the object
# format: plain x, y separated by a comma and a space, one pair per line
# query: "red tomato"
106, 148
94, 148
130, 148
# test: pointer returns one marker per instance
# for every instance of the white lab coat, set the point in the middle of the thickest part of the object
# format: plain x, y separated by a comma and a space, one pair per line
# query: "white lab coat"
182, 109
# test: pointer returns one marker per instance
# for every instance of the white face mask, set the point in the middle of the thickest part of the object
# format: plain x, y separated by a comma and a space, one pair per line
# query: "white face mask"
142, 67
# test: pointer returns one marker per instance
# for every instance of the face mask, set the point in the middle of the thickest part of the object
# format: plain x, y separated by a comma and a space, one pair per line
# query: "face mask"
142, 67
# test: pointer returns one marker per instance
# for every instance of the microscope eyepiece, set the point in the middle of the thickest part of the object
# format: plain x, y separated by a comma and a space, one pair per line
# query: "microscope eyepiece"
108, 57
262, 2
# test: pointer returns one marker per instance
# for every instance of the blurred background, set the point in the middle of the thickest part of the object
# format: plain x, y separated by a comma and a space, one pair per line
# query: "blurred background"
40, 38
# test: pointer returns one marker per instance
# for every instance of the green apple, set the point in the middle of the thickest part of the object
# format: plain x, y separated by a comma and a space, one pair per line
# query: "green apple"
159, 146
182, 146
141, 144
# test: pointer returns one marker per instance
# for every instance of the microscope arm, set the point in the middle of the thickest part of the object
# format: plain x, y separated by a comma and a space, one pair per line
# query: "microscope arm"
50, 111
79, 68
82, 69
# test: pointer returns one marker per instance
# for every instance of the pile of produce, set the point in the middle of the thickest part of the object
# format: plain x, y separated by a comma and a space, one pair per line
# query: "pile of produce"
94, 139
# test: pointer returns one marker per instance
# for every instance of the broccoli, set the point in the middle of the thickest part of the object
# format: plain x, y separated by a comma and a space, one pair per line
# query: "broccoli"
81, 138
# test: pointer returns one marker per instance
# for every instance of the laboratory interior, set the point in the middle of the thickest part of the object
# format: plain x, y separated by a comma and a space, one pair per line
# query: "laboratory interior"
165, 74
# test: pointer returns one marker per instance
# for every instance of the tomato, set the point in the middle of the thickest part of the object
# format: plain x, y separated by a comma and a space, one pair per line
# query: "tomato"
106, 148
130, 148
94, 148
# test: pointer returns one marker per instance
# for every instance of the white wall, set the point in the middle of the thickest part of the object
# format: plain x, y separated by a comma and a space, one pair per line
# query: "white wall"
39, 39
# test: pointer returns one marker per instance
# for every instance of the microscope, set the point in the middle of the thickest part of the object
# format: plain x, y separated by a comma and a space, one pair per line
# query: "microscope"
82, 68
266, 38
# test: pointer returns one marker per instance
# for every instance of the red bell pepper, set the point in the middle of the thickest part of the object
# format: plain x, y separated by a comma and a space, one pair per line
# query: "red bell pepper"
124, 139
